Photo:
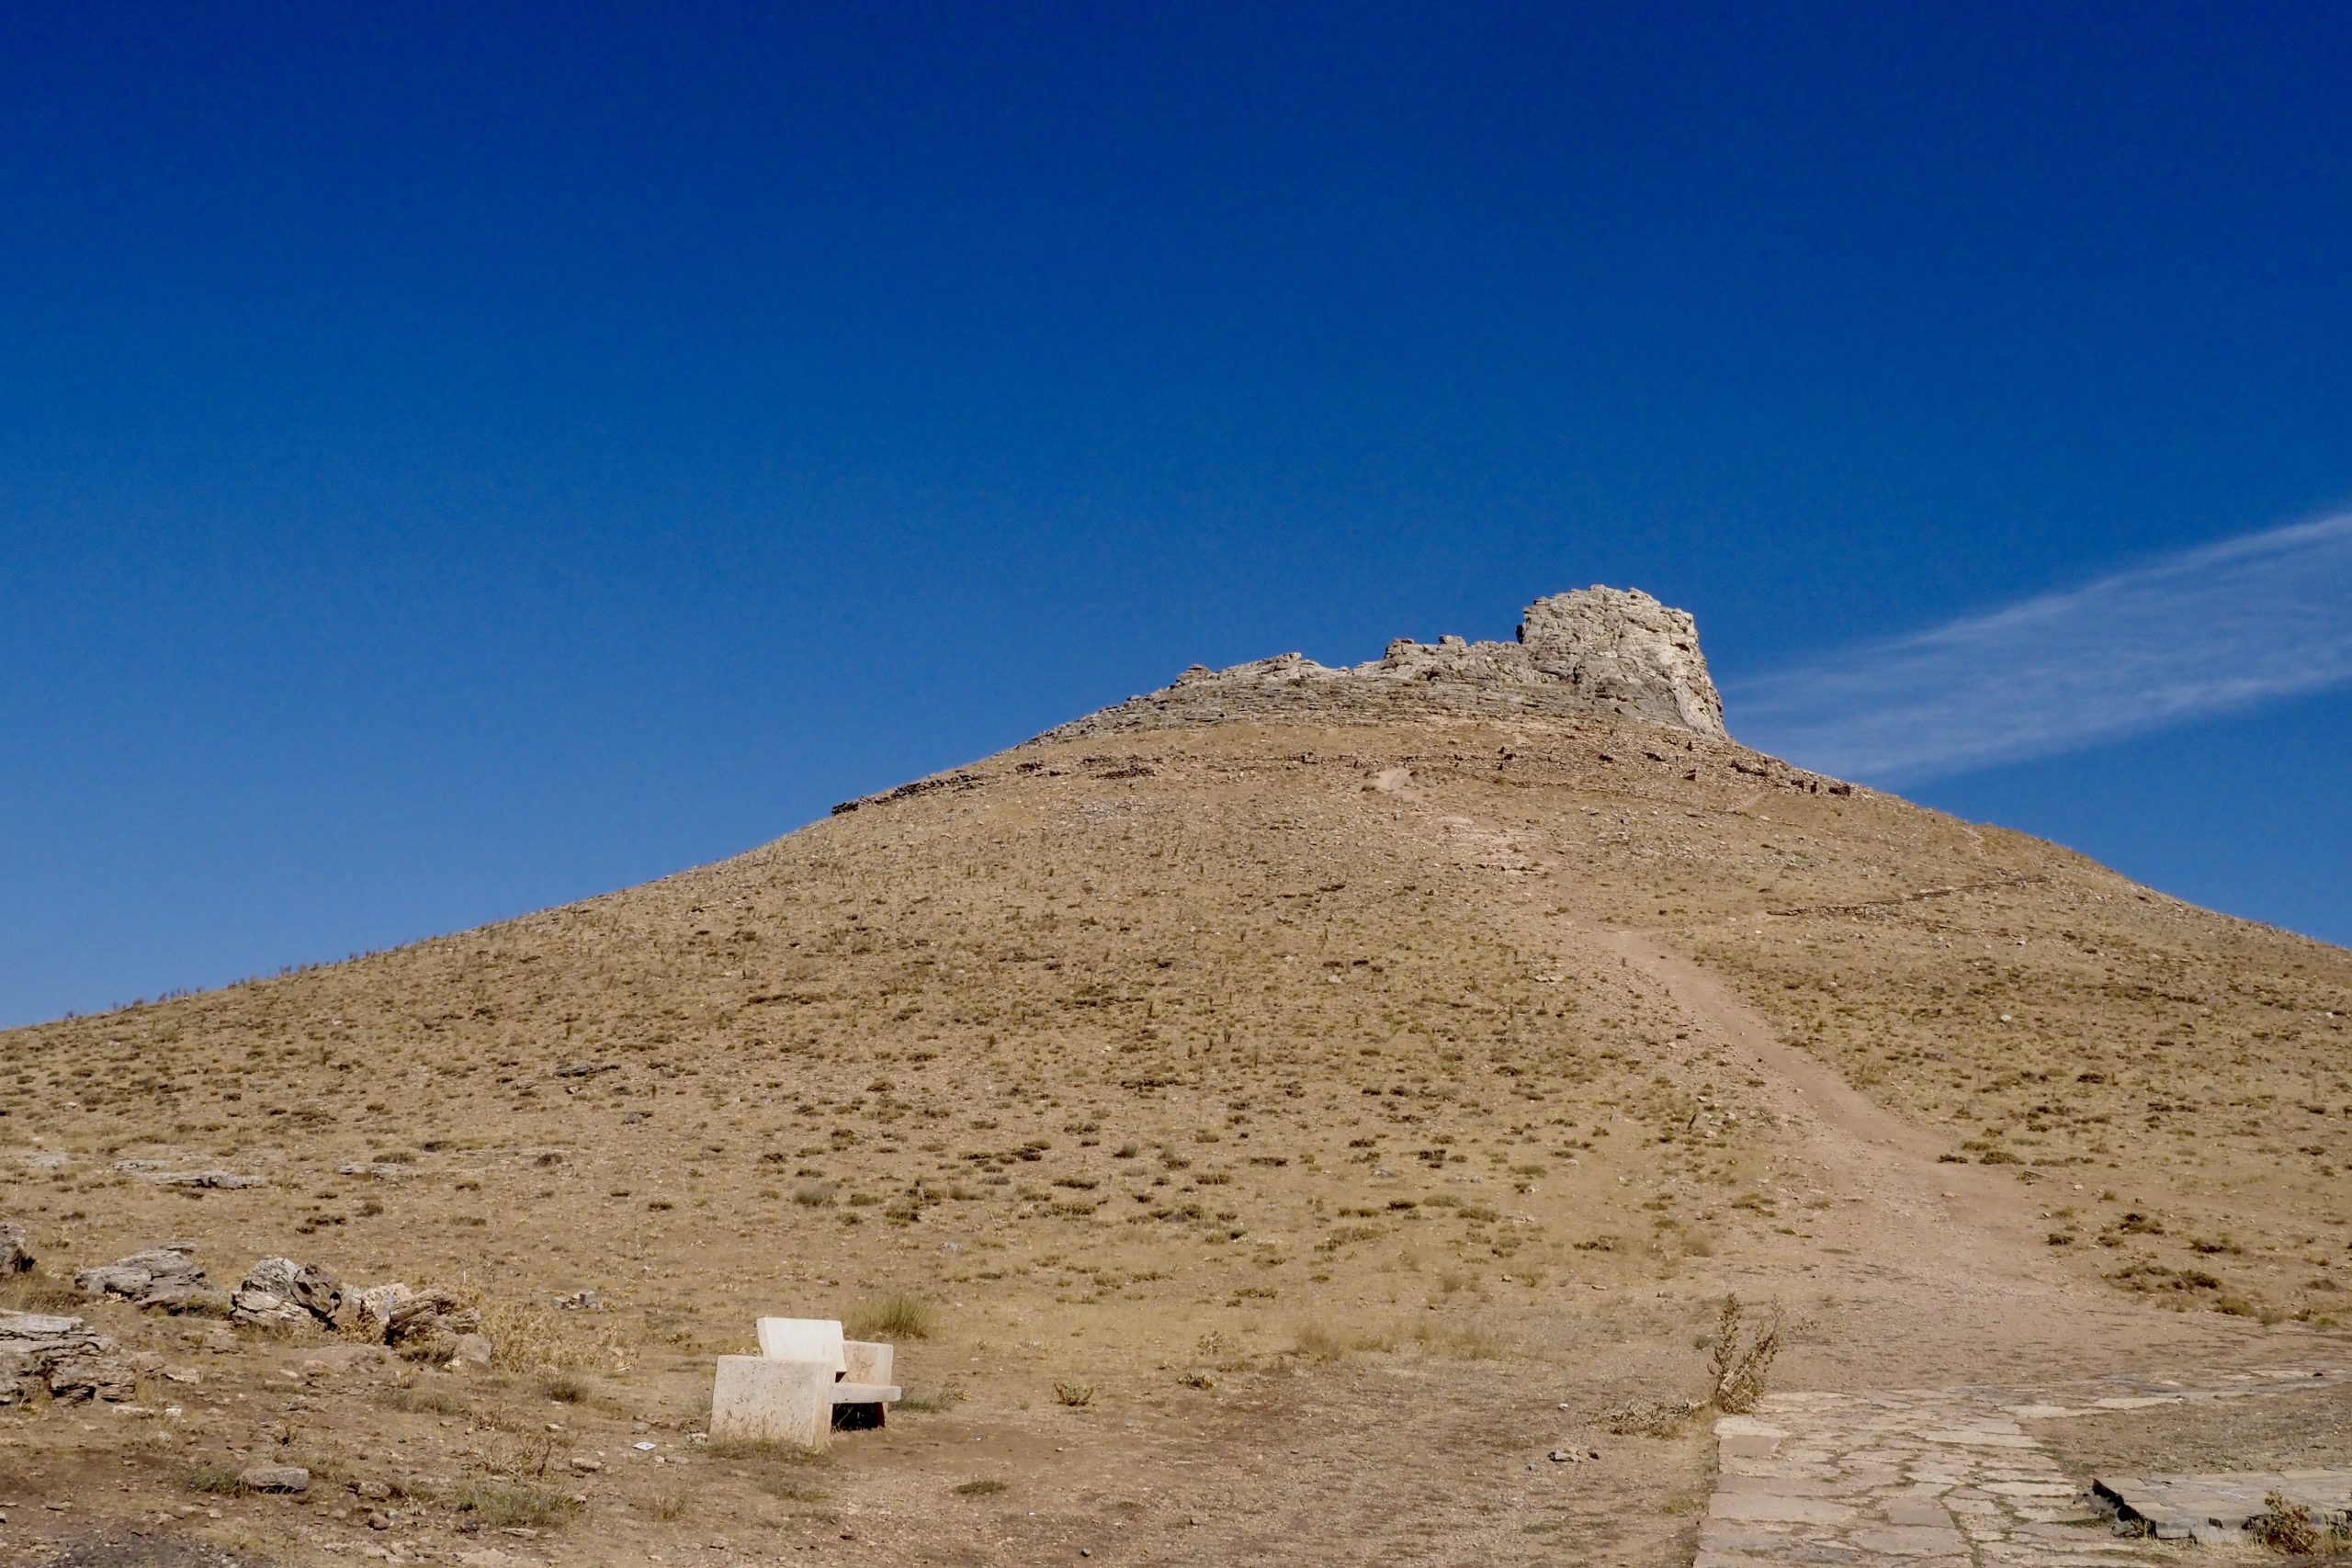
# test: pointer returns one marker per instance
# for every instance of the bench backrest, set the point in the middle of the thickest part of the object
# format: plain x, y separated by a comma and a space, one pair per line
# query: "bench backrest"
817, 1339
869, 1362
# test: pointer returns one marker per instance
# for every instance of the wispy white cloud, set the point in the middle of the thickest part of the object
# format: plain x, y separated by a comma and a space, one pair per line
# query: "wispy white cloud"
2227, 625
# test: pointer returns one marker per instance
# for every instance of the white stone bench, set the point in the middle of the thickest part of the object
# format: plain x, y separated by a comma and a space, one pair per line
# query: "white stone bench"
806, 1381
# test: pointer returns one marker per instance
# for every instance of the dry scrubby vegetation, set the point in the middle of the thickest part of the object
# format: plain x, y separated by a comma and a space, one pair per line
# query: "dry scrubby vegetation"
1166, 1067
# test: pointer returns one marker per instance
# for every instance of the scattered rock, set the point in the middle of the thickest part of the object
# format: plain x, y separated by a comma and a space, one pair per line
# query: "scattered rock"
155, 1171
16, 1248
40, 1351
370, 1311
471, 1350
279, 1290
430, 1324
276, 1478
162, 1279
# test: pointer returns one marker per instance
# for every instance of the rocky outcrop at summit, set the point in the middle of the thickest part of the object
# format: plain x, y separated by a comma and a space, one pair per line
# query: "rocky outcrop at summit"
1624, 650
1595, 651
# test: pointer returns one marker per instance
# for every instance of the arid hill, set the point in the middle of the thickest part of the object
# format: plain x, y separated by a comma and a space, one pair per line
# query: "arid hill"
1293, 1105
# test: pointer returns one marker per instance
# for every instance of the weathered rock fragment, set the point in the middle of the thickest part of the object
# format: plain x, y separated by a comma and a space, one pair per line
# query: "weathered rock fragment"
40, 1351
279, 1290
162, 1279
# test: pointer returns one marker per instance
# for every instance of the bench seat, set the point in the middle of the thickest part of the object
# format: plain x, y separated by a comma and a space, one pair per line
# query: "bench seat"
866, 1394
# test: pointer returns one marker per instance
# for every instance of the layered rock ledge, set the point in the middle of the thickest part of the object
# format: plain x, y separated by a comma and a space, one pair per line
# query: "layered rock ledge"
1595, 651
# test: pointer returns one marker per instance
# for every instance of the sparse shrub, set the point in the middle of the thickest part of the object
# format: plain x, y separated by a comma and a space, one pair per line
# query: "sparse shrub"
986, 1486
1741, 1356
426, 1400
2286, 1526
1074, 1395
500, 1504
213, 1479
1321, 1342
788, 1486
898, 1316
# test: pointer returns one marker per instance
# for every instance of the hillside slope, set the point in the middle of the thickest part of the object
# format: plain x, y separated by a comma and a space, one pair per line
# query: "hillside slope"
1308, 1083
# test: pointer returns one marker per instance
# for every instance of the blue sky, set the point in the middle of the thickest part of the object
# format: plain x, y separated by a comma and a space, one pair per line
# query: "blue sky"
454, 459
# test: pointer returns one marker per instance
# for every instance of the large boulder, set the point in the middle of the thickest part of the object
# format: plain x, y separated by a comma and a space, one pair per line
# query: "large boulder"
164, 1279
40, 1352
430, 1324
280, 1291
369, 1312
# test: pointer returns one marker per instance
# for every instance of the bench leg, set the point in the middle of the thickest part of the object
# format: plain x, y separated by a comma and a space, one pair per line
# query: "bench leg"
857, 1418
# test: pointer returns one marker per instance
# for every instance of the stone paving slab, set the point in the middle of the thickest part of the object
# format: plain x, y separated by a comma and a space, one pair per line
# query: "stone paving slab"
2218, 1507
1926, 1478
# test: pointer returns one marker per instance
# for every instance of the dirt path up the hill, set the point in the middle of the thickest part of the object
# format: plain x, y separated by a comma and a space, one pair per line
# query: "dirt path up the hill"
1904, 1270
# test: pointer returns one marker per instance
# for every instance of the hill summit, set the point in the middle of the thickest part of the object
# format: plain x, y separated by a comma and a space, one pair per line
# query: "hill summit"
1595, 651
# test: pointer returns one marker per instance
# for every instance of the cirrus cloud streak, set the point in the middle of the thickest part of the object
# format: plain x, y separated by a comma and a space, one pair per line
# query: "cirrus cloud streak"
2201, 632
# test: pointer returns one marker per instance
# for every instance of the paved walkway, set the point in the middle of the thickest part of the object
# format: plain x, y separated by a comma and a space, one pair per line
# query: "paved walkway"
1948, 1478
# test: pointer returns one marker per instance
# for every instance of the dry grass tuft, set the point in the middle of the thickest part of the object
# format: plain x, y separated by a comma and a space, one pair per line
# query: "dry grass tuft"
1650, 1418
213, 1479
932, 1401
896, 1316
37, 1293
1320, 1341
509, 1505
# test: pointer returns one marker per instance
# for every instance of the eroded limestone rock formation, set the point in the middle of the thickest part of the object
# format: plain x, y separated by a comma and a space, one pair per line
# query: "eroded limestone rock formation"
1607, 652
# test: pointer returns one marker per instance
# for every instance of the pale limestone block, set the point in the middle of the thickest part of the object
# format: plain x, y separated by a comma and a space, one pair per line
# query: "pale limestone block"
757, 1399
1981, 1439
866, 1394
1765, 1509
817, 1339
1911, 1540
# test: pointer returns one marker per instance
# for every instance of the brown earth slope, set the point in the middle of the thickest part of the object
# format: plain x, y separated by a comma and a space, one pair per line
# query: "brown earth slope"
1293, 1130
